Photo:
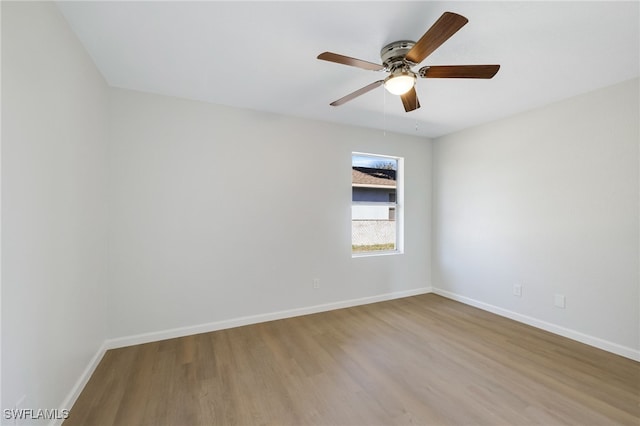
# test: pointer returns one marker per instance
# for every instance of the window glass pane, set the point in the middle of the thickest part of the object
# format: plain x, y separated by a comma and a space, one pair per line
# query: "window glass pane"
372, 228
373, 212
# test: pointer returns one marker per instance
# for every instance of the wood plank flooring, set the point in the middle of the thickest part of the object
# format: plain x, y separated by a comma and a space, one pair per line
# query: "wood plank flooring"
419, 360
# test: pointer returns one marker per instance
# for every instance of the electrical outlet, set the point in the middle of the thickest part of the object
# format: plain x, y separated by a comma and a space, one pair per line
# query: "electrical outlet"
316, 283
517, 290
560, 301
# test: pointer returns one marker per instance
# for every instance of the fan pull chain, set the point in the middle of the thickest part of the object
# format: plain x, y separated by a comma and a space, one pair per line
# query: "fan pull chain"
384, 113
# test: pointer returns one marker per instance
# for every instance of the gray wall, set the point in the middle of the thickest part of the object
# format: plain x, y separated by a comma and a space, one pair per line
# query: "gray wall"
220, 213
548, 200
54, 204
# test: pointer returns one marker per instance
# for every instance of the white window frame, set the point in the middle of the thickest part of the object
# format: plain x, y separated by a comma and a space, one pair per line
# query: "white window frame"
399, 206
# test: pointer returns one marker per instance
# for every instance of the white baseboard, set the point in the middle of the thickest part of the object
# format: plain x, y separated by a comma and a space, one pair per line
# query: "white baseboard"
552, 328
254, 319
81, 383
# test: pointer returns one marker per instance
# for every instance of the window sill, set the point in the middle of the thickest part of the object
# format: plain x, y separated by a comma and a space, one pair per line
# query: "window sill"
376, 253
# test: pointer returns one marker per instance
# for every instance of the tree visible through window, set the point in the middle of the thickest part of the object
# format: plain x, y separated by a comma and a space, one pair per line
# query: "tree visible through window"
374, 205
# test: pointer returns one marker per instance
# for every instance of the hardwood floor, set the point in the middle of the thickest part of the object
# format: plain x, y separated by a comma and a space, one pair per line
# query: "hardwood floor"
418, 360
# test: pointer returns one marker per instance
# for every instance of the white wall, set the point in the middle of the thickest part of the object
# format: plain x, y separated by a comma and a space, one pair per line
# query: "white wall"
54, 124
219, 213
549, 200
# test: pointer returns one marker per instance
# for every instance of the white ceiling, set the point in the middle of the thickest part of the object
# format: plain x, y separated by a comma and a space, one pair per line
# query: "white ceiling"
262, 55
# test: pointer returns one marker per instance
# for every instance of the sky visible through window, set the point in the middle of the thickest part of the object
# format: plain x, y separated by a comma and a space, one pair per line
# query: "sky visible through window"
370, 161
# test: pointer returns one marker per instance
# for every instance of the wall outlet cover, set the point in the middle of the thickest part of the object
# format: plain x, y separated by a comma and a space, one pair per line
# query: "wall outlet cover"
517, 290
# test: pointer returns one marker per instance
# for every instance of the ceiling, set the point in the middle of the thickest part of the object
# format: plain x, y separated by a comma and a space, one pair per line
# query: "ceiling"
261, 55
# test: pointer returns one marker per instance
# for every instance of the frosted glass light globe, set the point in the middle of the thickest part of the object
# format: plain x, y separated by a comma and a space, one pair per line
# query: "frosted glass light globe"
400, 83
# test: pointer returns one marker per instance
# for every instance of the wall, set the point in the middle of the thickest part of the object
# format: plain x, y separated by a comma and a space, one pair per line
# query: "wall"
548, 200
221, 213
54, 124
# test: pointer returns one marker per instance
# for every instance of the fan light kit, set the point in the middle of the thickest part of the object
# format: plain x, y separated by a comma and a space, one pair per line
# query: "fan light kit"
398, 58
400, 82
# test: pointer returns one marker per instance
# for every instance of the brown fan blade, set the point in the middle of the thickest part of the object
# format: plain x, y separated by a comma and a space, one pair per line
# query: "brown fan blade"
446, 26
410, 100
357, 93
346, 60
459, 71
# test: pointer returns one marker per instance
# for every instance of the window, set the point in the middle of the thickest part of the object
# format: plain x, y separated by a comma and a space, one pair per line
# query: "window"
376, 195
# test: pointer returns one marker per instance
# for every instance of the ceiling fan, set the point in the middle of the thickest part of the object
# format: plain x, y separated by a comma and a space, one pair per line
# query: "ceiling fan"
398, 58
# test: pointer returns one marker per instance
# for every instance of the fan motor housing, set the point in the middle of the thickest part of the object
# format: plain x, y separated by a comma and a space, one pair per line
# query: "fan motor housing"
393, 54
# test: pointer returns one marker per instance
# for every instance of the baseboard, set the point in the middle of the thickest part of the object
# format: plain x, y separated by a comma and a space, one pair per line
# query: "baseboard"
81, 383
552, 328
254, 319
